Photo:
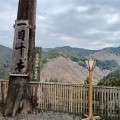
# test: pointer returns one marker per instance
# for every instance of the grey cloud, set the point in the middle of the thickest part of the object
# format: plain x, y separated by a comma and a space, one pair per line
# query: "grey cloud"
78, 23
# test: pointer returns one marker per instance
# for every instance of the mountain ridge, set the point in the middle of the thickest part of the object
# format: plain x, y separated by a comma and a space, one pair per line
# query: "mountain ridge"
108, 58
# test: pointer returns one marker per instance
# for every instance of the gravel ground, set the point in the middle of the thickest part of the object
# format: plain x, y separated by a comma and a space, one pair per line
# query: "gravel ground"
43, 115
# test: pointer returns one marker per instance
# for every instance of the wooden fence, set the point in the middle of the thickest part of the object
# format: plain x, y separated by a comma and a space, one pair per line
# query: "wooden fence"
73, 98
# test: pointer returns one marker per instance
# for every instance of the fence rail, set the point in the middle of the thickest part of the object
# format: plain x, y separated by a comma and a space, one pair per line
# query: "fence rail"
73, 98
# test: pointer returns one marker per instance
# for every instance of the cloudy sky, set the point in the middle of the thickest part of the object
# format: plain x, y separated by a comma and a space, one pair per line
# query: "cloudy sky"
90, 24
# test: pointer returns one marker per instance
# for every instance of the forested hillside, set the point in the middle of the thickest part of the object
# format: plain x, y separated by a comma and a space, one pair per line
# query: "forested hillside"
108, 65
63, 70
112, 79
108, 54
108, 58
5, 61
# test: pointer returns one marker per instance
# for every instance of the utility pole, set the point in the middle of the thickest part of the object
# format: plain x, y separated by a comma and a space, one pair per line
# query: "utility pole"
18, 95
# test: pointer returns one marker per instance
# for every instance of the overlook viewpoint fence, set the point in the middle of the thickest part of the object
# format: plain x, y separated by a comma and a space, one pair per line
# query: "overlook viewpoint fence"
73, 98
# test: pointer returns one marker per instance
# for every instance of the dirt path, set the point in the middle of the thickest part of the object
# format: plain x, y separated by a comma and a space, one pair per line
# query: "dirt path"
43, 115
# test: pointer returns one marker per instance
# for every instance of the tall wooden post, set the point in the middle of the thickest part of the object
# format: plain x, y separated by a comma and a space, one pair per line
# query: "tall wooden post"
27, 11
90, 64
90, 95
18, 91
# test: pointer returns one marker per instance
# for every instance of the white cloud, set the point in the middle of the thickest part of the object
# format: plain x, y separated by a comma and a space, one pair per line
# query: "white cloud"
82, 9
112, 18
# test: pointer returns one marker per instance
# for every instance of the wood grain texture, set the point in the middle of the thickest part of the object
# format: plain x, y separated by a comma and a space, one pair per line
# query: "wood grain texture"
17, 50
18, 90
27, 11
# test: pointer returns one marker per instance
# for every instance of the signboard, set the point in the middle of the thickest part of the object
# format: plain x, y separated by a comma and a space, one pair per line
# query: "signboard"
37, 64
20, 47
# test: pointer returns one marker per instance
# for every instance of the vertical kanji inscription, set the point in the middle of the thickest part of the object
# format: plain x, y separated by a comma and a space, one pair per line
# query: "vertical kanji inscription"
20, 47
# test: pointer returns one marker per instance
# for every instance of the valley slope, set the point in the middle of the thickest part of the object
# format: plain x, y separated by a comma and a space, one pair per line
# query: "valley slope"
66, 64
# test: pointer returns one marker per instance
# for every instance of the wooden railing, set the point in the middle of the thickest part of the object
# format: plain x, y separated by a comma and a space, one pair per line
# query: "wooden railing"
73, 98
3, 90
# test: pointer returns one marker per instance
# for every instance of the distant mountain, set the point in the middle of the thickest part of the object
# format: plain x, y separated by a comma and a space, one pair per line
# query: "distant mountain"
5, 61
75, 54
108, 54
113, 50
67, 51
81, 51
103, 54
108, 59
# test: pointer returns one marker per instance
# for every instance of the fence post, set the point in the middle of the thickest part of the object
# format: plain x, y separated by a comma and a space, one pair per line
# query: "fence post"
70, 98
4, 90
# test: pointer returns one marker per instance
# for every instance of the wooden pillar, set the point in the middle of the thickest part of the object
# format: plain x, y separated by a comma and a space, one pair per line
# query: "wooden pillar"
90, 95
27, 11
18, 89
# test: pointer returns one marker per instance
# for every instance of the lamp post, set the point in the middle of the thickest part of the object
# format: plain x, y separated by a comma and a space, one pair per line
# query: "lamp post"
90, 64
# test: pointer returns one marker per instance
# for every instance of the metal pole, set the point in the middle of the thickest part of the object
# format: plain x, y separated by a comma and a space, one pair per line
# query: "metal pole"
90, 95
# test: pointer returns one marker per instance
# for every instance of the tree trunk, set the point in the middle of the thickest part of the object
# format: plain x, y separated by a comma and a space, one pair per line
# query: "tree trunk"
18, 96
